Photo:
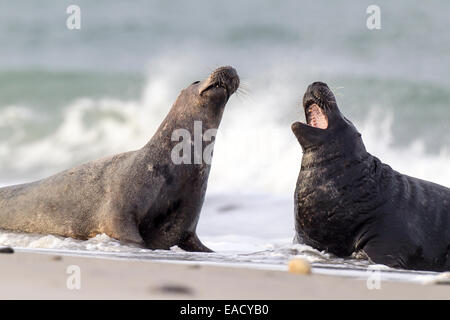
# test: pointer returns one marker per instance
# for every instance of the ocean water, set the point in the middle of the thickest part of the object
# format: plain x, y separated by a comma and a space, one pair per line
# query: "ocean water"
70, 96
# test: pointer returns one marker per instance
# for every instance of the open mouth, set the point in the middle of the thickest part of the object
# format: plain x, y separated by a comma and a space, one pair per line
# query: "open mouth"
315, 116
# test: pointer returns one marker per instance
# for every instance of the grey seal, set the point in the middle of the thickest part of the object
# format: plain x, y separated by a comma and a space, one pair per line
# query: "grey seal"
139, 197
347, 200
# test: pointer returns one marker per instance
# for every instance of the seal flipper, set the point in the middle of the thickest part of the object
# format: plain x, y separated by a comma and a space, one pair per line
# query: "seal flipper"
128, 233
192, 243
379, 254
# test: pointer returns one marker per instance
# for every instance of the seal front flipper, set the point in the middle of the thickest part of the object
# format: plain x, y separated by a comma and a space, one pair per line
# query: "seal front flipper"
192, 243
131, 238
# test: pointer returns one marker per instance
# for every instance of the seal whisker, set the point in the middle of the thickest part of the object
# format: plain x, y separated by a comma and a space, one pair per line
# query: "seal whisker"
244, 83
245, 96
244, 88
337, 89
243, 91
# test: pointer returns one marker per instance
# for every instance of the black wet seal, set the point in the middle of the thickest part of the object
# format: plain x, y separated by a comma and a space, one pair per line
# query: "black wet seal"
6, 250
174, 289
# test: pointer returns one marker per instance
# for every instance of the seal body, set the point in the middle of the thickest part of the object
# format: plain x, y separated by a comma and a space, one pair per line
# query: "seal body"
347, 200
142, 196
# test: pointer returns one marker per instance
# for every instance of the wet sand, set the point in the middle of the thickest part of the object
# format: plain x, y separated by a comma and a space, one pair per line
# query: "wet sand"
44, 276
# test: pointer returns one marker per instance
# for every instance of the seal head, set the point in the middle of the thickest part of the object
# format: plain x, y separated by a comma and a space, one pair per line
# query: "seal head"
324, 121
223, 79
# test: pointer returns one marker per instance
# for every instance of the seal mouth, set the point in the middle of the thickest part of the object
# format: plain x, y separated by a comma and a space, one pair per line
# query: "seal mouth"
215, 85
316, 116
225, 78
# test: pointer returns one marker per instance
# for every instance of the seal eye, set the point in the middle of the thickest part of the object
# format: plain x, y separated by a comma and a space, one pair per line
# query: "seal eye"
195, 82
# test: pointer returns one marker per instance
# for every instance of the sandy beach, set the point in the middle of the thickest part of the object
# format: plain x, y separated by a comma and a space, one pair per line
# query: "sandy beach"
44, 276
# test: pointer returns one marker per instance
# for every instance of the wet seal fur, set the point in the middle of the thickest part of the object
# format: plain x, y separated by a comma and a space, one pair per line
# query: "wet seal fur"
141, 196
347, 200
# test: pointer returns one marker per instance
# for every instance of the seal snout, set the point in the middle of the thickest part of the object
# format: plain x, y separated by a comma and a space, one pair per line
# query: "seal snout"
224, 77
317, 92
316, 102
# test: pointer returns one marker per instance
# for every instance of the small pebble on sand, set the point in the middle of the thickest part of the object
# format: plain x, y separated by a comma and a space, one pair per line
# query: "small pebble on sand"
299, 266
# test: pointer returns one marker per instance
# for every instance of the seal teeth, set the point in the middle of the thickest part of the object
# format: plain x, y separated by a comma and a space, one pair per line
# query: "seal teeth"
316, 117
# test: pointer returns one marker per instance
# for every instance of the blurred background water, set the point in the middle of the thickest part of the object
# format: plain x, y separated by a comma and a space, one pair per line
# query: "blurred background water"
69, 96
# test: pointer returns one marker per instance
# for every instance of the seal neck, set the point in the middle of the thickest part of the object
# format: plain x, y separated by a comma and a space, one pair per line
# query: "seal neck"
342, 145
186, 120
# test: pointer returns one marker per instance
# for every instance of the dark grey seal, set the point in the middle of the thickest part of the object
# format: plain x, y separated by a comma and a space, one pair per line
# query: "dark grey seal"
142, 196
348, 201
